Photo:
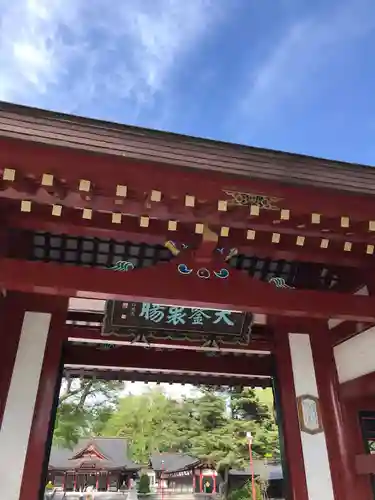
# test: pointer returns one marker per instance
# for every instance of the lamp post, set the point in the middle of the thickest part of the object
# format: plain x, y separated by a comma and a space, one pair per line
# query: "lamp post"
162, 480
250, 442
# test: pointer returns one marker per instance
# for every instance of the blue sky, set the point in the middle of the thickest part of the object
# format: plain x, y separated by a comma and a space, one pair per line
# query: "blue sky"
295, 75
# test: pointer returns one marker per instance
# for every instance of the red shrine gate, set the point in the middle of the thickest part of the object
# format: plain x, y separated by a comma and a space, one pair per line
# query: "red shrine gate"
86, 209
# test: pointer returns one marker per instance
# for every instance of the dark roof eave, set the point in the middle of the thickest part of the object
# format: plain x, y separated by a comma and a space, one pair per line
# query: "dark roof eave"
113, 467
187, 467
349, 177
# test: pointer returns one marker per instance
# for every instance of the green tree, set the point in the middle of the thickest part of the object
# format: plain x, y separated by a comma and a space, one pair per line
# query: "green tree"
249, 410
209, 410
144, 484
226, 445
151, 422
211, 427
246, 405
85, 405
246, 492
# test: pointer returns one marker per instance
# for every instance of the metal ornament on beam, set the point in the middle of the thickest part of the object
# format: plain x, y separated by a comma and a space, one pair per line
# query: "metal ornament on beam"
309, 414
238, 198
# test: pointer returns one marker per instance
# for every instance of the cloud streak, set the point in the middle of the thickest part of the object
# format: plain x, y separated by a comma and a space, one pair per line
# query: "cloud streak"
65, 54
299, 59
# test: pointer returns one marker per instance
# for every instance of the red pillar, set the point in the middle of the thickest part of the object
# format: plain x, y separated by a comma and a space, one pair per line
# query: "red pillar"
200, 482
11, 318
290, 423
334, 419
41, 431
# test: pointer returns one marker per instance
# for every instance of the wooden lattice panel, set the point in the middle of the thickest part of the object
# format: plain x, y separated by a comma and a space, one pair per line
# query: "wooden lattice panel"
108, 253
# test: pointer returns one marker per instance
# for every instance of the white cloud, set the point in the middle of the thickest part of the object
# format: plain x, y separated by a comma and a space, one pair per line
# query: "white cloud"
302, 57
65, 53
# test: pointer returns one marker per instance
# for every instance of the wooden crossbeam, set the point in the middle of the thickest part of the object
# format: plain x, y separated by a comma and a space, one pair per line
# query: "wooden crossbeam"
71, 164
90, 334
163, 284
140, 358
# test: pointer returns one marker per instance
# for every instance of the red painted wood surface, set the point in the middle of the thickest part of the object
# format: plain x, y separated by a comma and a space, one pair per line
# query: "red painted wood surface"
33, 480
168, 360
291, 429
93, 334
12, 310
347, 330
359, 388
157, 233
365, 464
334, 419
11, 319
170, 377
72, 165
237, 218
163, 284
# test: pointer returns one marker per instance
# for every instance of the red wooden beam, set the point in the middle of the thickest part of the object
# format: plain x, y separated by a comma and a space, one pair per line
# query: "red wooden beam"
157, 233
359, 388
364, 464
81, 318
106, 171
168, 378
160, 213
42, 215
93, 334
163, 284
347, 330
167, 360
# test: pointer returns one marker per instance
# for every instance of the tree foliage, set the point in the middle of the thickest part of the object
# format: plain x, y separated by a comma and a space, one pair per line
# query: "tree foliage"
144, 484
85, 405
246, 492
211, 427
152, 423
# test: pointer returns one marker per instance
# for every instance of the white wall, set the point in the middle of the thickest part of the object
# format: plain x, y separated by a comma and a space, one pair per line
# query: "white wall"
356, 357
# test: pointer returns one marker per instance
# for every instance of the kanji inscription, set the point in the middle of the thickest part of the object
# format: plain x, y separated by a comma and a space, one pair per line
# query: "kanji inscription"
143, 317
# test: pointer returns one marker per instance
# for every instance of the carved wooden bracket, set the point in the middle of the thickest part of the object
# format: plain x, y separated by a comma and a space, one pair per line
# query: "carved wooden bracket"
204, 253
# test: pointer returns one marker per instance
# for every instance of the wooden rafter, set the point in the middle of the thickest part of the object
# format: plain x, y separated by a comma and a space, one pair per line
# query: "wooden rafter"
168, 378
32, 160
72, 223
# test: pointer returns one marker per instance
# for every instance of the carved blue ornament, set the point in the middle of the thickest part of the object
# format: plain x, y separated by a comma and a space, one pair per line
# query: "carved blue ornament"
279, 282
223, 274
123, 265
183, 269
